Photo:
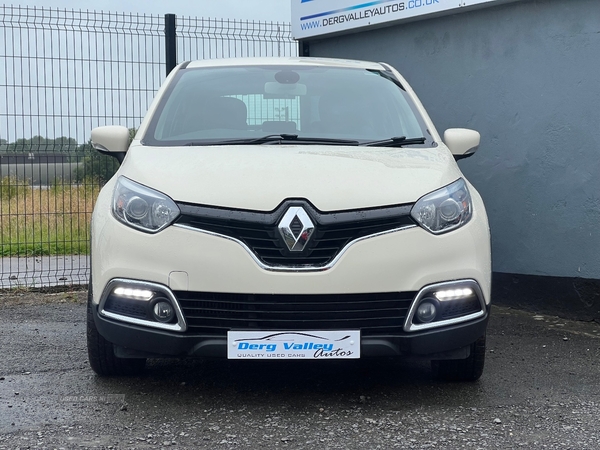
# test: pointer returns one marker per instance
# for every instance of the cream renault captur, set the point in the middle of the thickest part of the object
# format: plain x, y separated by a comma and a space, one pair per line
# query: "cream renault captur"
288, 209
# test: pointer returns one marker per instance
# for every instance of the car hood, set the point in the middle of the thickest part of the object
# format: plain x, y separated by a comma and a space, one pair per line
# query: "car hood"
332, 178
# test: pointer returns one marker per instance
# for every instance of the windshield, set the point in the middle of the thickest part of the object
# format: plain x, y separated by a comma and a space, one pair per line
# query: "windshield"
208, 105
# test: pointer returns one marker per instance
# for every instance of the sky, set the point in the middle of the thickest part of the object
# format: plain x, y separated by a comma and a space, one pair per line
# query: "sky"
269, 10
65, 83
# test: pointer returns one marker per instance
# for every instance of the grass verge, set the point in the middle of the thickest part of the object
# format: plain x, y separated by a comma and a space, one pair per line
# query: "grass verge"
45, 221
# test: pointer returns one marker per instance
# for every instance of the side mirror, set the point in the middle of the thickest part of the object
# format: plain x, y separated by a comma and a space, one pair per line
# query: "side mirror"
462, 142
111, 140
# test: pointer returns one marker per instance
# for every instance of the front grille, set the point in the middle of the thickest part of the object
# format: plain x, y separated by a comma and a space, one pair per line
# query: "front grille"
259, 231
217, 313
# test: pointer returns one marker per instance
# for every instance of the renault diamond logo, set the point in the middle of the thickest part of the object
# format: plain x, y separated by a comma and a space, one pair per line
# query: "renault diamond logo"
296, 228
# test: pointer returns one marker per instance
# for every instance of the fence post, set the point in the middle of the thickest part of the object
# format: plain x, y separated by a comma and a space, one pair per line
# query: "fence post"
170, 42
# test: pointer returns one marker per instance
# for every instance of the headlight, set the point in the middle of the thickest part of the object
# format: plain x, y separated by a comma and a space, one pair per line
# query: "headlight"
444, 210
143, 208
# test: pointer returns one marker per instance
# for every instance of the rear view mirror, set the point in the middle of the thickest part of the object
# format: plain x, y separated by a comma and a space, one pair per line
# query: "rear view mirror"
462, 142
274, 88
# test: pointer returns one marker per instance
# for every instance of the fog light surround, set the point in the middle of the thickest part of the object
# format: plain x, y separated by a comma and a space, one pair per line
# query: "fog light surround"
162, 311
427, 310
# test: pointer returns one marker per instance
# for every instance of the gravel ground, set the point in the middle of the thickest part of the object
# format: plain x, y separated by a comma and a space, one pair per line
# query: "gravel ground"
540, 389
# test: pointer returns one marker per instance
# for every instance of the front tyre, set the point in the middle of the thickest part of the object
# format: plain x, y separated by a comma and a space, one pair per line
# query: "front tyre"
468, 369
101, 353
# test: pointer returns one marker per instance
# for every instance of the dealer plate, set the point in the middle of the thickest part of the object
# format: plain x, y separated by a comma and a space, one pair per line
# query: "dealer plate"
293, 344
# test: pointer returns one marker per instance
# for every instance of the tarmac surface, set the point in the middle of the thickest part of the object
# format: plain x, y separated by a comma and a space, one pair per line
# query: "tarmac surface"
540, 389
43, 271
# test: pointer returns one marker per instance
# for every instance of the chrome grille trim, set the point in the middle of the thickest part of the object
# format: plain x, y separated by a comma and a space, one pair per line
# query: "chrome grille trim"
295, 268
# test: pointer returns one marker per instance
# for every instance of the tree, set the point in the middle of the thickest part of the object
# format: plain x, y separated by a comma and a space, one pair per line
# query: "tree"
95, 165
39, 144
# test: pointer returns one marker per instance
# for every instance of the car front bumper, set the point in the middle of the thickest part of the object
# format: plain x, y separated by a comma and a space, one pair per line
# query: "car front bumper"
134, 341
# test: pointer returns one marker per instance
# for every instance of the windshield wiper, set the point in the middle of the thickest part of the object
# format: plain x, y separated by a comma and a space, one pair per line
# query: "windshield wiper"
276, 138
398, 141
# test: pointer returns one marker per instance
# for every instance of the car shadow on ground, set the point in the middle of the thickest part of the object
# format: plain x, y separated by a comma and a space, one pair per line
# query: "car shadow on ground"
248, 383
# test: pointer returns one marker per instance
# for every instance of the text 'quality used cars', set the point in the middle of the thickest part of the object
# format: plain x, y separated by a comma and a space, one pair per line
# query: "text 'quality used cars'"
288, 208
